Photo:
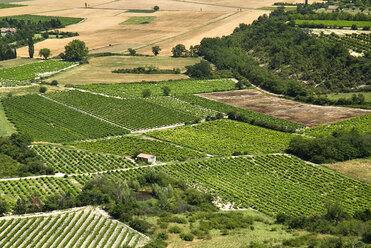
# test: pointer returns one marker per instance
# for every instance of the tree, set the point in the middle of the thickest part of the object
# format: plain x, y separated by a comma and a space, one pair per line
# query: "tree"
4, 207
199, 70
132, 52
166, 90
156, 8
179, 51
45, 52
31, 48
194, 50
42, 89
146, 93
156, 50
76, 50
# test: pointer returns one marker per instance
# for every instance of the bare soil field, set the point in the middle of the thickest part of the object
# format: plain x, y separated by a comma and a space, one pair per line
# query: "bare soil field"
99, 70
307, 114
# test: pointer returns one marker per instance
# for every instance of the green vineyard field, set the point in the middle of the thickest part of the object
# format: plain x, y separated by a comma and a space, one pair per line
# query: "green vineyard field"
33, 70
134, 113
42, 186
226, 137
75, 228
362, 124
274, 183
45, 120
72, 161
177, 87
131, 146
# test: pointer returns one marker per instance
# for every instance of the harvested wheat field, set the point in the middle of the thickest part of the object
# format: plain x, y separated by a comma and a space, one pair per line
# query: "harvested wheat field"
177, 22
99, 70
307, 114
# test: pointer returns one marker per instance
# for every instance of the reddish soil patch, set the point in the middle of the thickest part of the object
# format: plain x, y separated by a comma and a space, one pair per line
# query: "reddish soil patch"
307, 114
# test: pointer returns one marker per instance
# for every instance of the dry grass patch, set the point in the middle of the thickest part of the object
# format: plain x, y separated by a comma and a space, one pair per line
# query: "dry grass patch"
99, 70
307, 114
359, 169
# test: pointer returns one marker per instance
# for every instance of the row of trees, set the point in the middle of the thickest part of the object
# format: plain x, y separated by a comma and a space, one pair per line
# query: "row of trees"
76, 50
340, 146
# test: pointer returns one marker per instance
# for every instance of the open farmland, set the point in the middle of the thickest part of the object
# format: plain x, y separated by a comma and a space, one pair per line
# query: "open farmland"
71, 161
176, 22
83, 227
307, 114
65, 21
273, 183
226, 137
12, 190
99, 70
177, 87
132, 113
255, 118
34, 70
45, 120
362, 124
131, 145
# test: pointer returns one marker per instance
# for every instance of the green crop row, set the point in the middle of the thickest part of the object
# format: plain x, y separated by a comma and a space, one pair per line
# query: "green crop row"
362, 124
33, 70
176, 87
273, 184
226, 137
83, 227
250, 116
131, 146
72, 161
45, 120
43, 186
133, 113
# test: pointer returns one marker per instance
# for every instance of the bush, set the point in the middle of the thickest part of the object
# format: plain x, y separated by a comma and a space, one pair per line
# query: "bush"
187, 236
132, 52
162, 236
175, 229
354, 27
54, 83
156, 8
42, 89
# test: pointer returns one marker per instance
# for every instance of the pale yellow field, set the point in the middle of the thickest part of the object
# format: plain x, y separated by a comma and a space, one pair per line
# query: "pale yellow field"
99, 70
185, 22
